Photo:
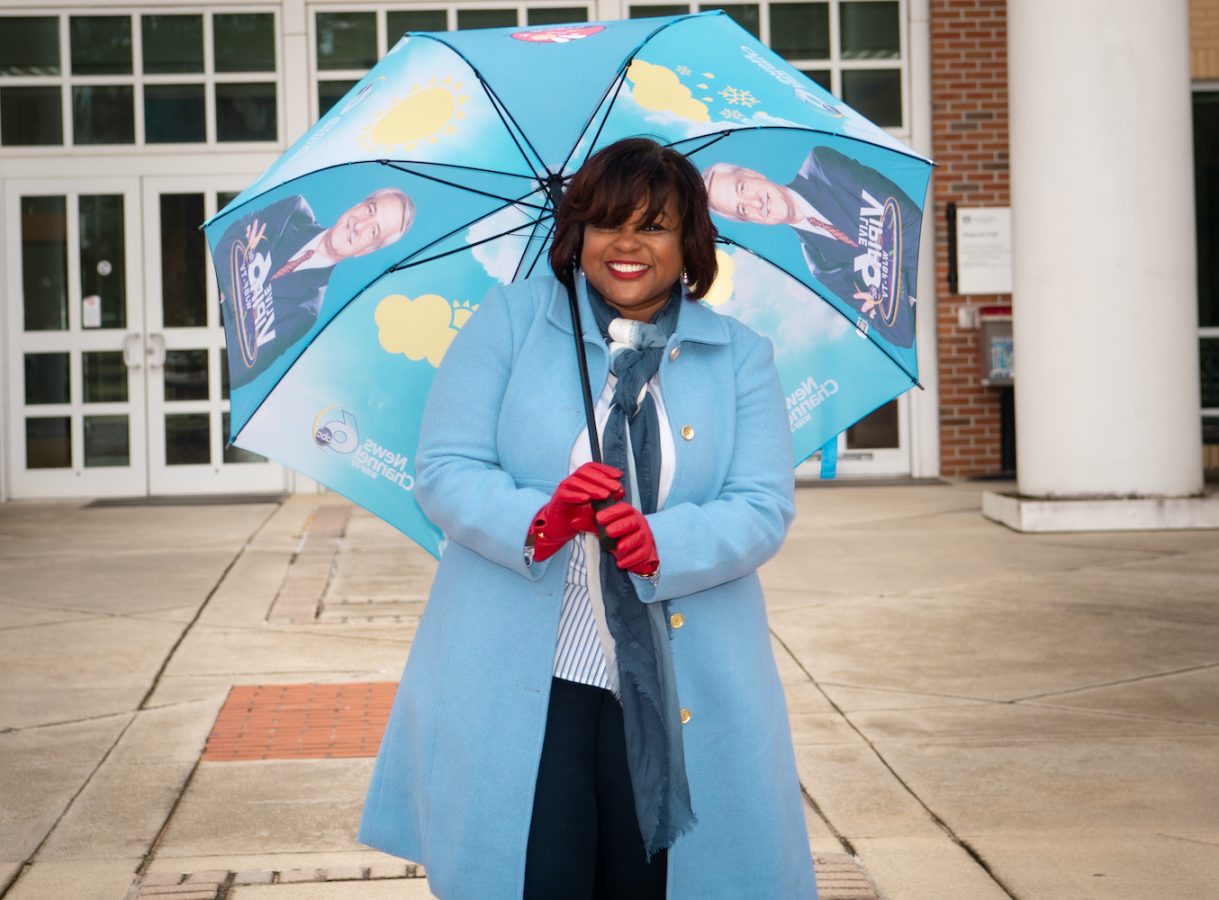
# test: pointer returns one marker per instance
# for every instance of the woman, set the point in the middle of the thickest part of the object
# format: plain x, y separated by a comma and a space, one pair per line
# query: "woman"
508, 768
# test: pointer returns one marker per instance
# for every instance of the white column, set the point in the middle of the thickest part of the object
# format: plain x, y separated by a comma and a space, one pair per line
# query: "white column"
924, 405
1104, 298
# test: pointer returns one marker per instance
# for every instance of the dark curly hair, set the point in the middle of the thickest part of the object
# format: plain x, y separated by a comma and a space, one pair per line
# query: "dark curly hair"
614, 182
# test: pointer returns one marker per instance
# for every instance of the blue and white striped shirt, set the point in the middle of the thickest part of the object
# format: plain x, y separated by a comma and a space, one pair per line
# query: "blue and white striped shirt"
578, 653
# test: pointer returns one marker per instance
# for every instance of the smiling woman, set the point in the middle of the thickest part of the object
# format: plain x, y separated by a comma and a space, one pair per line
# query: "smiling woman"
634, 264
622, 729
633, 251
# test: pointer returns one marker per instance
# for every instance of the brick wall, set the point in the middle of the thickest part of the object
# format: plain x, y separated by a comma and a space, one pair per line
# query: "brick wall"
970, 143
1204, 39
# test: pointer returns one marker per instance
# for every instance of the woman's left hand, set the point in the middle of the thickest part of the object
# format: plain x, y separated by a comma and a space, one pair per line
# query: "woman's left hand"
634, 548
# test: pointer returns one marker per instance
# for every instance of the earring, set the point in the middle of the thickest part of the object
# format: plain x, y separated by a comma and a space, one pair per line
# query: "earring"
685, 278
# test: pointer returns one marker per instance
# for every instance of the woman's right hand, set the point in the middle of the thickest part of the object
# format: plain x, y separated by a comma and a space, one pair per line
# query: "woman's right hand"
570, 508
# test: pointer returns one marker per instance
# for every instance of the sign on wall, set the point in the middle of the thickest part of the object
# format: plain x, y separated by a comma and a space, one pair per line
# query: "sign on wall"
984, 250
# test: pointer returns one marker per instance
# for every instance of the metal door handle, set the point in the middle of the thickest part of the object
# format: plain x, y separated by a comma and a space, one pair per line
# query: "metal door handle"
156, 350
131, 342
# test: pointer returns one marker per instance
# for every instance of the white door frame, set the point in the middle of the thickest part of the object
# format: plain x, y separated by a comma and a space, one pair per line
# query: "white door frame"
144, 343
79, 479
216, 475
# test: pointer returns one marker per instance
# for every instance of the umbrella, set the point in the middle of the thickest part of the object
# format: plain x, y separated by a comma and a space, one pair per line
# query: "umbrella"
347, 268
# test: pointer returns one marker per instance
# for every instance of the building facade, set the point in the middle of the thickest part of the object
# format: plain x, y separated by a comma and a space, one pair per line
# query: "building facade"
969, 88
123, 126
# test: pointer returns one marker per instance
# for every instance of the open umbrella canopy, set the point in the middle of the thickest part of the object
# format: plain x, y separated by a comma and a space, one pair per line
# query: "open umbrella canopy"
347, 268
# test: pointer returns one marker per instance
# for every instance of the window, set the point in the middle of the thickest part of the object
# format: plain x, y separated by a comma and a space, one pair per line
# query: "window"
852, 48
348, 42
1206, 192
152, 79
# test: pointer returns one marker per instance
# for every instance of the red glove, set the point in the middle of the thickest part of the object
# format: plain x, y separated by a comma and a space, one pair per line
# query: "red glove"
570, 510
635, 548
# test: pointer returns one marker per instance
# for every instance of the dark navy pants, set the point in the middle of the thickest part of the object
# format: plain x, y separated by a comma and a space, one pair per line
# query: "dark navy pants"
584, 841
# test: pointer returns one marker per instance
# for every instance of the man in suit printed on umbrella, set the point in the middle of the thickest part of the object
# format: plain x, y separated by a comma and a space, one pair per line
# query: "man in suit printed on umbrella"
274, 264
859, 231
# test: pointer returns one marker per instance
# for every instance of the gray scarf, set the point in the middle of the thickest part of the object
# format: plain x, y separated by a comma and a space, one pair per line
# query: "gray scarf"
647, 686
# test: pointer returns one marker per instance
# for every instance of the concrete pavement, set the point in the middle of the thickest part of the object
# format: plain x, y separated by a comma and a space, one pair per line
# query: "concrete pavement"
977, 714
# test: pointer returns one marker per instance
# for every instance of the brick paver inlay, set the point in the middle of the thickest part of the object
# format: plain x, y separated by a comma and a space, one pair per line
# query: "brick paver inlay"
300, 721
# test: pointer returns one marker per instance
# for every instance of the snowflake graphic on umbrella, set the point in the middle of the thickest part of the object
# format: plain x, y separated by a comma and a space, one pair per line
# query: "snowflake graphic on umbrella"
738, 97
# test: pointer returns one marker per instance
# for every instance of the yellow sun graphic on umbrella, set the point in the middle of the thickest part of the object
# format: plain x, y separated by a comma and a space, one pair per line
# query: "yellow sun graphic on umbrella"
427, 113
721, 289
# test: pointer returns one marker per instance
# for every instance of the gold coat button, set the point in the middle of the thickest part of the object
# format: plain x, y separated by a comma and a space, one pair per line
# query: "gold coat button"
685, 716
674, 353
677, 620
687, 432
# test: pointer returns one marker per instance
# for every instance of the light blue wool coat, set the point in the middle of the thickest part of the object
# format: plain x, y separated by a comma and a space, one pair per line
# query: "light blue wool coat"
454, 779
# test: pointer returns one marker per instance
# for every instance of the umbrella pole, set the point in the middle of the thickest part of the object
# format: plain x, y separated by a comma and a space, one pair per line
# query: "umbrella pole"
590, 415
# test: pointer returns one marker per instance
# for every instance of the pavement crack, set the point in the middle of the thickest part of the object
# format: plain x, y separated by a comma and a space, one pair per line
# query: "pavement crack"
903, 692
150, 853
1120, 681
312, 630
29, 860
13, 879
62, 722
43, 607
1117, 714
186, 630
72, 621
843, 840
973, 853
1177, 837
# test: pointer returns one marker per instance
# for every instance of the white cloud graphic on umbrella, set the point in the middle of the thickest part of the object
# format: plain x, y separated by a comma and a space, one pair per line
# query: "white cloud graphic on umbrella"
769, 301
505, 237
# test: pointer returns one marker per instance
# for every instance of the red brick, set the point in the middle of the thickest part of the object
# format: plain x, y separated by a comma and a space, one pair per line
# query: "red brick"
301, 722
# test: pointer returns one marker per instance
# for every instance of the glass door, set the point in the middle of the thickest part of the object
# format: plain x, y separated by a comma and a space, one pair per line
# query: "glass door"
187, 373
117, 383
76, 339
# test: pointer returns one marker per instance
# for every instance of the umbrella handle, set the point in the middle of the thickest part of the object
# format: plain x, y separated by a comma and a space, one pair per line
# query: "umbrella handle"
590, 415
607, 543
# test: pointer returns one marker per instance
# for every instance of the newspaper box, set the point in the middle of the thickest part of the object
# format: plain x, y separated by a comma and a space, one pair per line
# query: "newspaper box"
995, 345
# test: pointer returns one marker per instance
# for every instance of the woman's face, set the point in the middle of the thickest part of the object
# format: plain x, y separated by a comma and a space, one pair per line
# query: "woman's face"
635, 265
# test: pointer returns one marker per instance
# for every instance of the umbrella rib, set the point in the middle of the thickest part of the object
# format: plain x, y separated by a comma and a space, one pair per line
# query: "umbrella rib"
367, 162
483, 169
867, 334
533, 237
614, 88
541, 246
515, 201
409, 262
910, 154
510, 124
715, 139
616, 85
